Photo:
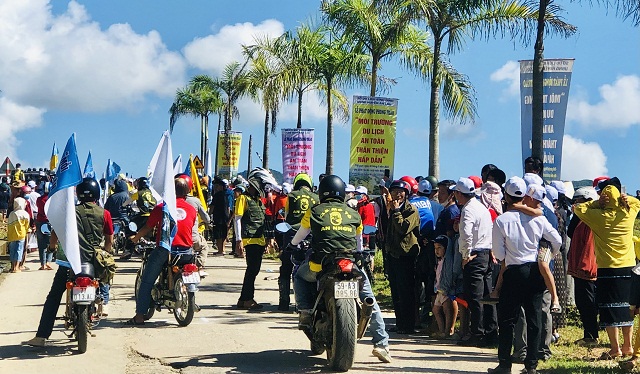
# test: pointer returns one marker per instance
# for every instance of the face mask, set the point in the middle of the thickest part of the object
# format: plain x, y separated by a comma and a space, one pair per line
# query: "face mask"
358, 197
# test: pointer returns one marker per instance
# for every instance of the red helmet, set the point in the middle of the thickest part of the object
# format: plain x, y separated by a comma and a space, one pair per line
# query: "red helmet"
412, 183
187, 178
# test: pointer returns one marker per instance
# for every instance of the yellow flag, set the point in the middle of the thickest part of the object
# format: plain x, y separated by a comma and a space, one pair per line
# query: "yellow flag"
54, 157
197, 190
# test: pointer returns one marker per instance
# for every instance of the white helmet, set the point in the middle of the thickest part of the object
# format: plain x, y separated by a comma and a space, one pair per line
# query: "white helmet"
261, 179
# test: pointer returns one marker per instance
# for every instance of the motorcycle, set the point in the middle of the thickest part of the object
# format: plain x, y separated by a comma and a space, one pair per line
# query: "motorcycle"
339, 318
176, 286
82, 301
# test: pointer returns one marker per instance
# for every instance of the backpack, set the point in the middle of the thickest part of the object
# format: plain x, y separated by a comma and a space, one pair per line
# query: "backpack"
104, 265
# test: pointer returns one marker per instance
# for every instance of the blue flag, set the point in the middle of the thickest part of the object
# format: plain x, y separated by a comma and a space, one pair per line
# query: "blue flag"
88, 168
112, 170
60, 207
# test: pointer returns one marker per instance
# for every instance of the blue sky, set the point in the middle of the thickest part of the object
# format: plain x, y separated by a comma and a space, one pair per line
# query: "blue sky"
109, 71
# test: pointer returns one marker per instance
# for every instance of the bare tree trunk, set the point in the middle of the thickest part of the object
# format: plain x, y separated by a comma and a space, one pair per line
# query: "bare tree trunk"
537, 105
217, 142
329, 166
249, 158
434, 114
299, 124
265, 146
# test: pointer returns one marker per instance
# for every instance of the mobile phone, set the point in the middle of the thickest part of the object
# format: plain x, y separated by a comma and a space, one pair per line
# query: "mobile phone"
623, 190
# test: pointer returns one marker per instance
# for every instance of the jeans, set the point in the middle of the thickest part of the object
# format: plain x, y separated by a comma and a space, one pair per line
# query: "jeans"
305, 287
477, 284
522, 288
104, 292
43, 243
253, 257
51, 304
152, 269
16, 249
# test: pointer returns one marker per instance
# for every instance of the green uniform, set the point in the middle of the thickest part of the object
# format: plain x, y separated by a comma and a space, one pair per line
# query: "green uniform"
334, 227
253, 218
146, 202
298, 202
90, 219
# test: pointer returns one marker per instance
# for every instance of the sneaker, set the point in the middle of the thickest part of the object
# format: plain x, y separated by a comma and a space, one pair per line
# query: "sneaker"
499, 370
586, 342
36, 342
203, 273
382, 353
529, 371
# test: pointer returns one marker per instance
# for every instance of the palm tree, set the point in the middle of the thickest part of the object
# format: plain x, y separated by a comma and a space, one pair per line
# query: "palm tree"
452, 21
337, 62
233, 83
199, 98
383, 30
265, 82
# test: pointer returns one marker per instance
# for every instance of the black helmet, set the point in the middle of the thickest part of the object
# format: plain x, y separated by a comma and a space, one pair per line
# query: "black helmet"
331, 187
401, 184
88, 190
142, 183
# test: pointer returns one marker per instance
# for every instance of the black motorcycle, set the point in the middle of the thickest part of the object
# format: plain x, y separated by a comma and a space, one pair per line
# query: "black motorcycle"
338, 318
82, 304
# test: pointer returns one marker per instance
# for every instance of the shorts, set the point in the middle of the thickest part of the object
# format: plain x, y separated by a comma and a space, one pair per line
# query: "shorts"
440, 299
16, 250
219, 231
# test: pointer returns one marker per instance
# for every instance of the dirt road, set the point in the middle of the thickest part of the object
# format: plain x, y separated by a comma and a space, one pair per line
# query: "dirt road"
221, 339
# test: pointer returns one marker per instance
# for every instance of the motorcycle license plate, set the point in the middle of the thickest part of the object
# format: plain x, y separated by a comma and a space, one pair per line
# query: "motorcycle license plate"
346, 290
192, 278
83, 294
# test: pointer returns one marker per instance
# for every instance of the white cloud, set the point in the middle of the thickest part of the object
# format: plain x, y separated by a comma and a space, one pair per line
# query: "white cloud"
581, 160
68, 62
15, 118
214, 52
618, 107
509, 72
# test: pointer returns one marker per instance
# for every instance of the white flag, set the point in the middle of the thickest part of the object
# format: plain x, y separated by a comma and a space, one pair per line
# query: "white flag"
61, 208
161, 179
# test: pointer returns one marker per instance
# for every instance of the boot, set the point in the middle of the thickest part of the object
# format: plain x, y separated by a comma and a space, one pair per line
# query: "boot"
284, 300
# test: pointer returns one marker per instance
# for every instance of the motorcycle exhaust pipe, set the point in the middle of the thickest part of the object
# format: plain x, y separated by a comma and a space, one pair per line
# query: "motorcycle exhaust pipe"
365, 315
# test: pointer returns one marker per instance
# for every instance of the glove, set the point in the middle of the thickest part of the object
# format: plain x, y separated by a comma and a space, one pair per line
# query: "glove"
292, 248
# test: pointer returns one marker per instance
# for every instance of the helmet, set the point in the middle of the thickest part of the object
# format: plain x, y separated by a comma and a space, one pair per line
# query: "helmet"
25, 190
401, 184
331, 187
142, 183
187, 178
261, 179
88, 190
412, 182
302, 179
182, 186
424, 187
433, 180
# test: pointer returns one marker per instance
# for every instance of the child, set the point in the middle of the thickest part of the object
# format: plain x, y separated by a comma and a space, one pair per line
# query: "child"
18, 227
448, 271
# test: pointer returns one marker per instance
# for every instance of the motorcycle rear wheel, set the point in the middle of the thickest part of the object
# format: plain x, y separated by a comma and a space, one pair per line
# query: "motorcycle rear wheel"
341, 352
184, 314
82, 327
152, 308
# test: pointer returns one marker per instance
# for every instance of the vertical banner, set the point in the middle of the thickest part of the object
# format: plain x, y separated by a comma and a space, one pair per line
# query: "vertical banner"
557, 78
228, 163
373, 138
297, 153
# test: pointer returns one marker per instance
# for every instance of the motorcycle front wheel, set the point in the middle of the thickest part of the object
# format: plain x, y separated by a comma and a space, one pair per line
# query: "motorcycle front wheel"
185, 303
152, 309
82, 327
341, 352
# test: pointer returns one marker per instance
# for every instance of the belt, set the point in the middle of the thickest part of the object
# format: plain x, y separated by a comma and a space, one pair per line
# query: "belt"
478, 250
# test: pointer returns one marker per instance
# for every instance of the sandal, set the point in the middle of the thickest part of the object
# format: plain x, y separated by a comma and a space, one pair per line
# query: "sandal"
629, 364
133, 322
48, 267
42, 268
556, 309
606, 356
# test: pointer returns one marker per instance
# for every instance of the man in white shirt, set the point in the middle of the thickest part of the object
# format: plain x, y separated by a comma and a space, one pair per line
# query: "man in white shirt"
475, 247
516, 238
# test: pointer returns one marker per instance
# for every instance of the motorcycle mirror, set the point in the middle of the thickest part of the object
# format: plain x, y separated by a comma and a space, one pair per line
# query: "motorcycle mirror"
368, 230
133, 227
283, 227
46, 229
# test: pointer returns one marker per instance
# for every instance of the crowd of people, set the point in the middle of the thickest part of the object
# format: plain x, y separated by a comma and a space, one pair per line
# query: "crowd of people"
501, 255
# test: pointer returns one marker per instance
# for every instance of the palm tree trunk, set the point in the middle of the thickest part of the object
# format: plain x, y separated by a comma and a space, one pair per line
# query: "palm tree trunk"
217, 142
374, 75
227, 130
249, 157
299, 124
537, 105
434, 114
206, 141
265, 146
202, 125
329, 166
